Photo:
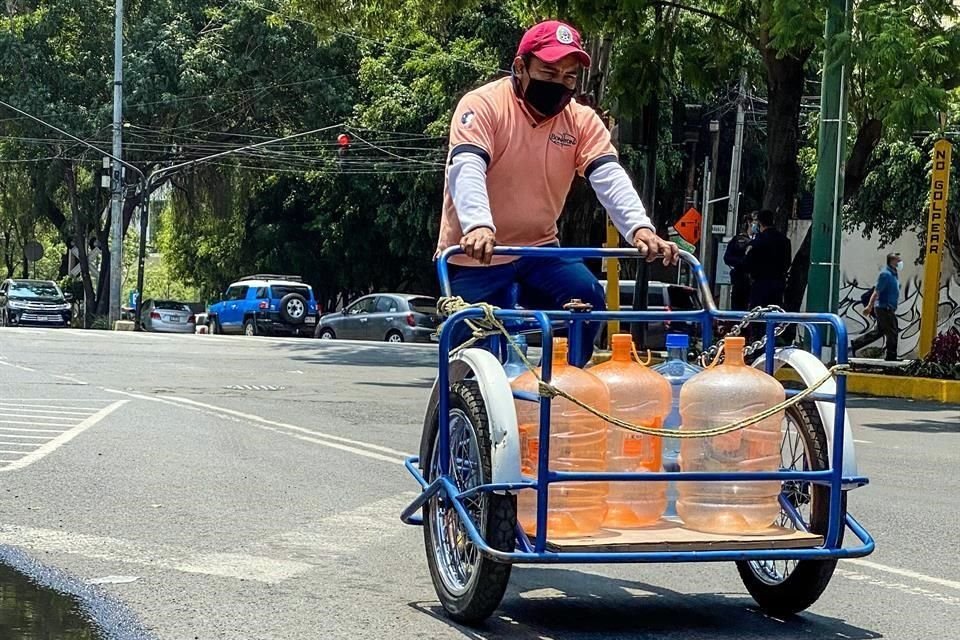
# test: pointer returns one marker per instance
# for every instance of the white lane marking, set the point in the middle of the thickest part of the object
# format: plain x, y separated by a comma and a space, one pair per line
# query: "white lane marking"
4, 434
863, 441
227, 565
906, 573
17, 366
282, 425
18, 444
33, 408
371, 523
29, 400
315, 437
65, 437
898, 586
69, 379
45, 424
33, 416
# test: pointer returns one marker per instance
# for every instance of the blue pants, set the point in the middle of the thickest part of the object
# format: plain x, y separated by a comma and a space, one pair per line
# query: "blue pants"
543, 284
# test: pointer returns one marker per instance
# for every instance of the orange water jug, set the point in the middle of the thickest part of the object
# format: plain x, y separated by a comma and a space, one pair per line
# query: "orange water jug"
715, 397
578, 442
643, 397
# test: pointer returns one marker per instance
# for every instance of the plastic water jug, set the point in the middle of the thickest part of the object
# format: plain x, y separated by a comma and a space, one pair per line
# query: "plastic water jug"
714, 397
677, 371
514, 366
640, 396
578, 442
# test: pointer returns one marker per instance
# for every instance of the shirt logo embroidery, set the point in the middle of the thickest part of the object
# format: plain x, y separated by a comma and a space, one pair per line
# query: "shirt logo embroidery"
564, 35
467, 118
563, 139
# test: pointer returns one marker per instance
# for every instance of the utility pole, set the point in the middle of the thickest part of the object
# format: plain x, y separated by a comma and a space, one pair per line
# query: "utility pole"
710, 189
733, 204
116, 207
824, 280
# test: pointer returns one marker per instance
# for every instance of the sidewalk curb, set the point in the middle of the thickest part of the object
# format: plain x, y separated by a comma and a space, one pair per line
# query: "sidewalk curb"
884, 386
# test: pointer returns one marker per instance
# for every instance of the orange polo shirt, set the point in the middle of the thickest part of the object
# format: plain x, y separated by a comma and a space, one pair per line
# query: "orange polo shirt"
530, 166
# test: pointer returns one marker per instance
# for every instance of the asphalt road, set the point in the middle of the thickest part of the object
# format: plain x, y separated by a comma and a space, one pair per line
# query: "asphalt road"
249, 488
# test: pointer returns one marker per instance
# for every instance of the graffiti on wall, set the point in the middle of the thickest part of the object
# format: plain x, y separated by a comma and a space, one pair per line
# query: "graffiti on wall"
908, 311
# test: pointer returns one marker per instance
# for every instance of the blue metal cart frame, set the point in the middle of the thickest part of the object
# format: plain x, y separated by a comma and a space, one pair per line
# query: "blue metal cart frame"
536, 550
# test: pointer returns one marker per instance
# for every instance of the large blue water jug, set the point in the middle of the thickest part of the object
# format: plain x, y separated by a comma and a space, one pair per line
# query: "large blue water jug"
677, 371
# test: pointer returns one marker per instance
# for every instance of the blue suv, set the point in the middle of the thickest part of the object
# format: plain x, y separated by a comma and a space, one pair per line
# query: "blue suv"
265, 304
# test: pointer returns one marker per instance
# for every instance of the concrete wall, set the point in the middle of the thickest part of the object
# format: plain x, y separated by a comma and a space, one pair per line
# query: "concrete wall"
861, 260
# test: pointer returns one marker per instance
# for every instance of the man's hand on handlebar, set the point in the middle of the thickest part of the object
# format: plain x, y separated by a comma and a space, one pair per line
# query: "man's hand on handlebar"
479, 244
651, 245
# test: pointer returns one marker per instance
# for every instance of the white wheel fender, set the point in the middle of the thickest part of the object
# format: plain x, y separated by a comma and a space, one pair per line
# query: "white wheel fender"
483, 367
810, 369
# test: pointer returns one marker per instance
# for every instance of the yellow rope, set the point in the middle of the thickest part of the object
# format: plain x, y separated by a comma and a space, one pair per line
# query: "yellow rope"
448, 306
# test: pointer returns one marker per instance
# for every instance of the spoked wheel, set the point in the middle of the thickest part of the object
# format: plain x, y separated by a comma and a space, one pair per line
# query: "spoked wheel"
469, 585
786, 587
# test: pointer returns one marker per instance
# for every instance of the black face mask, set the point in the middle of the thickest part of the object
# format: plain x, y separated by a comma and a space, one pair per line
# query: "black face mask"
549, 98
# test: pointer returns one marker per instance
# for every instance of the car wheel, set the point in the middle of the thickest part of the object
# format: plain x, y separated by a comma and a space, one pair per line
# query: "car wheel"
327, 334
293, 308
214, 326
249, 327
394, 336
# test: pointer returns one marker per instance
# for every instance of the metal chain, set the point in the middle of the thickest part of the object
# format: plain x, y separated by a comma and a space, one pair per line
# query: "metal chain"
710, 354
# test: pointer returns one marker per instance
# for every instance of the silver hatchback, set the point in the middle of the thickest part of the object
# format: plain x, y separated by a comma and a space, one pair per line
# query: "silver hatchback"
392, 317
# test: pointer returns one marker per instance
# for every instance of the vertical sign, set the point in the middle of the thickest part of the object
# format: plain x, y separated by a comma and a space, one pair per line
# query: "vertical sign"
936, 233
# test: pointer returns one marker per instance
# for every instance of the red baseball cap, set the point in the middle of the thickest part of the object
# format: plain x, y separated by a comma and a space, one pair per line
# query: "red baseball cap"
552, 40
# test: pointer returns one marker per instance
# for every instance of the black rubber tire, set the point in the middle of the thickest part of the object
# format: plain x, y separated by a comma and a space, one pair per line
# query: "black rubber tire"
809, 578
285, 314
250, 327
325, 331
485, 593
390, 334
215, 328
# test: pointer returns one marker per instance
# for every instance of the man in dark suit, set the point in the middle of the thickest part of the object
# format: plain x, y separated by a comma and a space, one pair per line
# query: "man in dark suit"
767, 261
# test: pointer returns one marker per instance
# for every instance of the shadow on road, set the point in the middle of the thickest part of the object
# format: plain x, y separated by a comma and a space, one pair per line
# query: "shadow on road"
918, 426
600, 607
895, 404
359, 355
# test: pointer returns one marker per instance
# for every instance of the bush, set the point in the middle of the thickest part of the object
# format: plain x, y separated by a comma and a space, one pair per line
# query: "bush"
943, 361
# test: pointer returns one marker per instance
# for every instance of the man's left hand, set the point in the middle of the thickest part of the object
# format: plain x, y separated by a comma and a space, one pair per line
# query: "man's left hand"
651, 245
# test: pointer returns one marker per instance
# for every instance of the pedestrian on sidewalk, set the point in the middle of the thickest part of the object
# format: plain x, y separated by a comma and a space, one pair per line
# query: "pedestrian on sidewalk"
735, 257
883, 305
767, 261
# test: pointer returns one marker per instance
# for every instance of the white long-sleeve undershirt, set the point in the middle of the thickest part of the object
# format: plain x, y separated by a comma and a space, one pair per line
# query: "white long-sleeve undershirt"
467, 180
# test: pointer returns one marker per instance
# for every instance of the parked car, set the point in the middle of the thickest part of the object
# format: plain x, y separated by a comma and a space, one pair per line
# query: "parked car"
167, 316
265, 304
34, 302
661, 296
394, 317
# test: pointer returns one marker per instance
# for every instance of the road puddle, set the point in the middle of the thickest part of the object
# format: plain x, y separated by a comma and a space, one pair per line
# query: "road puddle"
29, 612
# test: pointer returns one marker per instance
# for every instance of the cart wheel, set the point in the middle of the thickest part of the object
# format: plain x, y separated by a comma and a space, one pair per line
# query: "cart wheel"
786, 587
469, 585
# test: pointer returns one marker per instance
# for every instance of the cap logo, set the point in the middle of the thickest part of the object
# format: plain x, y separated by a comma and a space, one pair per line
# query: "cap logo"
564, 34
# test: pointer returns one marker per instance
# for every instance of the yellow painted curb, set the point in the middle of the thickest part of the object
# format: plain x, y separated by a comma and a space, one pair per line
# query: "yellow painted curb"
879, 385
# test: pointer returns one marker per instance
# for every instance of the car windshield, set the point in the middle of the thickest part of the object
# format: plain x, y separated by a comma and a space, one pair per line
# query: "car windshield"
423, 305
683, 298
34, 290
280, 290
170, 305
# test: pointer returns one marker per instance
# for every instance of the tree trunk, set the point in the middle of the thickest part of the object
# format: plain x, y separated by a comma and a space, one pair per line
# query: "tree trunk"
80, 241
784, 92
858, 164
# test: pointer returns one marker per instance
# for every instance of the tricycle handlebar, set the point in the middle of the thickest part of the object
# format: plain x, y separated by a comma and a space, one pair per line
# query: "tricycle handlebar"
443, 270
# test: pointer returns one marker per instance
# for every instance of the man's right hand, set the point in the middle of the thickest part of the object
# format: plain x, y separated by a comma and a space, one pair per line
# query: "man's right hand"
479, 244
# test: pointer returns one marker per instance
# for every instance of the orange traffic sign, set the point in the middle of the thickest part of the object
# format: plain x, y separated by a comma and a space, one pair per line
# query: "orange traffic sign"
688, 226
